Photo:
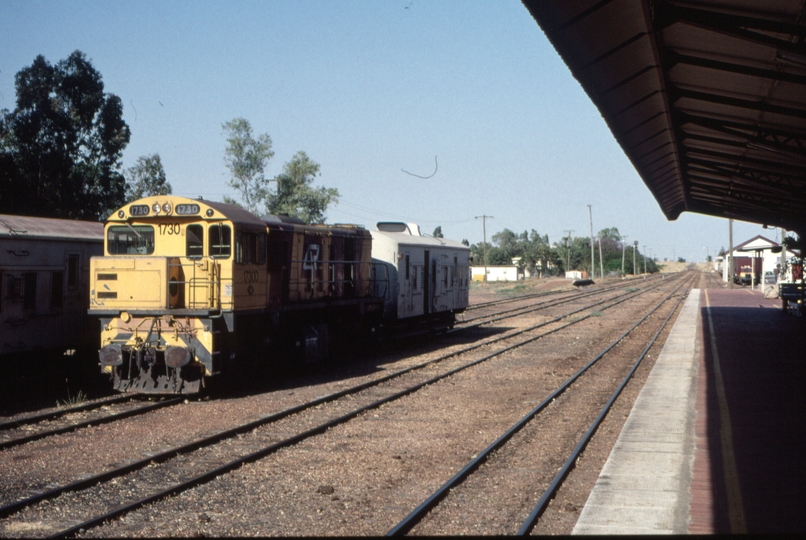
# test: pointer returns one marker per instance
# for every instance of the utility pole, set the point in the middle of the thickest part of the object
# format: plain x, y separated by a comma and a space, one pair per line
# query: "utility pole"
484, 228
601, 260
568, 250
623, 246
644, 255
730, 253
634, 268
593, 267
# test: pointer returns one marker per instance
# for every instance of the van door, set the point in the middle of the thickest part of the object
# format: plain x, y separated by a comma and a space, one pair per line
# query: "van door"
428, 285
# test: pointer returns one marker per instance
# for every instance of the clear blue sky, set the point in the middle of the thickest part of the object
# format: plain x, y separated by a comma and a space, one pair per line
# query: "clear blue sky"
368, 89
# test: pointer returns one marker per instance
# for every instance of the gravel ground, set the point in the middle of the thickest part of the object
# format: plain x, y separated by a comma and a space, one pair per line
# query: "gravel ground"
361, 477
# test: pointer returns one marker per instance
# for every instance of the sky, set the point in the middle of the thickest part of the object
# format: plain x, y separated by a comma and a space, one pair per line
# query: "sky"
380, 93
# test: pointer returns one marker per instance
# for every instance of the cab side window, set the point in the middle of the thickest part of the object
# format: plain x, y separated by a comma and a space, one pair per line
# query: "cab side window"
194, 241
220, 241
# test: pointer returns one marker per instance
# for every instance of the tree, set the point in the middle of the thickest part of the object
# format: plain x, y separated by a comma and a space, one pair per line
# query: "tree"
61, 147
246, 158
438, 232
145, 178
295, 194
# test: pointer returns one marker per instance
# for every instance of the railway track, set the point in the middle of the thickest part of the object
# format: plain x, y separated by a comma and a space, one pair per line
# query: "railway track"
178, 474
571, 296
431, 502
31, 428
39, 426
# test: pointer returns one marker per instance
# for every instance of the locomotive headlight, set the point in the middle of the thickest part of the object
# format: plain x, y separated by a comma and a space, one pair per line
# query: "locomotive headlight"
177, 357
155, 208
111, 355
166, 208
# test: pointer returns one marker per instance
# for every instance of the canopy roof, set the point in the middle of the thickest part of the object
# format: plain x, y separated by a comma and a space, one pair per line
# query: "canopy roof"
707, 99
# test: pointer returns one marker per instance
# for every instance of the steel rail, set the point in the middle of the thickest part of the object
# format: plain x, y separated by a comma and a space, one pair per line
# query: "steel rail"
527, 296
245, 428
528, 309
102, 420
259, 454
33, 419
549, 493
420, 511
496, 319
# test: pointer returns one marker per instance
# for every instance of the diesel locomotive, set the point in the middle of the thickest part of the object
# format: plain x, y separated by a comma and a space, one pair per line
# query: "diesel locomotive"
186, 289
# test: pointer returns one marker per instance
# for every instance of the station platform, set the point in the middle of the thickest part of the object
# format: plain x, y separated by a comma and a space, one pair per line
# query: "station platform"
713, 443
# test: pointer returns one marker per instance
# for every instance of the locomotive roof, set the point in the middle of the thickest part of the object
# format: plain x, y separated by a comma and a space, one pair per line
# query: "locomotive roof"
38, 227
200, 208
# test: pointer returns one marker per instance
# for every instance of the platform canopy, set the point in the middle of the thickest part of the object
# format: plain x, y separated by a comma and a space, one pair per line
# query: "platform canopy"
707, 98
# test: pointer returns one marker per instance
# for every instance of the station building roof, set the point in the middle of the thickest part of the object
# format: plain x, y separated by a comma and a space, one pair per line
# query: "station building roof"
707, 98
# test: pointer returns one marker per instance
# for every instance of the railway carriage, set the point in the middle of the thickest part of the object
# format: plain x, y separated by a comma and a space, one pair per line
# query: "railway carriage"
44, 282
186, 288
429, 276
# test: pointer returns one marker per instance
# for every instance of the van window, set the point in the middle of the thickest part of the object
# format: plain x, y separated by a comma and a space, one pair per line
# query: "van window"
29, 290
220, 241
130, 240
194, 241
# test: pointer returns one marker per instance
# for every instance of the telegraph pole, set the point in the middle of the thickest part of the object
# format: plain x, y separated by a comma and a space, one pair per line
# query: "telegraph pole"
634, 268
623, 246
730, 254
601, 260
644, 255
484, 228
567, 250
593, 267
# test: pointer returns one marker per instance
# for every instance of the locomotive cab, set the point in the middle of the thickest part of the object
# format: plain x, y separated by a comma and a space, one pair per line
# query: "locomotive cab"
172, 271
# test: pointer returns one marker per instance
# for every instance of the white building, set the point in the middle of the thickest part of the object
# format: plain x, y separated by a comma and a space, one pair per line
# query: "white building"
756, 253
496, 273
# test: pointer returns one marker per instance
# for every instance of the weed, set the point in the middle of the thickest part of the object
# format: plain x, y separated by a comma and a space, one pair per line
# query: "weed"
631, 289
71, 401
596, 313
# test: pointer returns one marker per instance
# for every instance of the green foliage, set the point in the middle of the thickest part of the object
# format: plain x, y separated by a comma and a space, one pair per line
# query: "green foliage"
610, 234
295, 194
145, 178
498, 256
72, 401
246, 158
61, 147
438, 232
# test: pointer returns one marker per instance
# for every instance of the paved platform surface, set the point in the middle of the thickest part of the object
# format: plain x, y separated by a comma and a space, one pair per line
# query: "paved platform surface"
713, 444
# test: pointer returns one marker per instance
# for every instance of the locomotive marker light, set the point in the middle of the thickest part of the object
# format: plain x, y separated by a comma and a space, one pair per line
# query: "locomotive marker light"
111, 355
177, 357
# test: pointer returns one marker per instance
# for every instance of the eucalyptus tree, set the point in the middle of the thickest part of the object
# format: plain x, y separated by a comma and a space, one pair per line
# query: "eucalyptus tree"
246, 157
295, 194
146, 177
61, 146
